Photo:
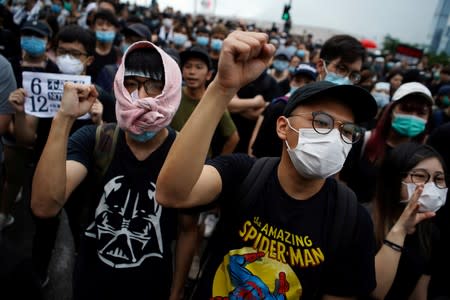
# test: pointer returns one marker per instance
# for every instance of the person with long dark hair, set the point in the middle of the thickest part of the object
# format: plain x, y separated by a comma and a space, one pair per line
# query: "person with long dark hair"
411, 188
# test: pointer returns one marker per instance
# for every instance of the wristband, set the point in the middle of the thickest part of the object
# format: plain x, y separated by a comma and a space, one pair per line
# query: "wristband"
393, 246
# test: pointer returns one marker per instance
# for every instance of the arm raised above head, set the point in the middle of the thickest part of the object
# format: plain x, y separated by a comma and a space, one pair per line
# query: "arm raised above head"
184, 180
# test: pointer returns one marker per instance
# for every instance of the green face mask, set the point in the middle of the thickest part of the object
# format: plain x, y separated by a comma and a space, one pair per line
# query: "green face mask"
68, 6
445, 101
408, 125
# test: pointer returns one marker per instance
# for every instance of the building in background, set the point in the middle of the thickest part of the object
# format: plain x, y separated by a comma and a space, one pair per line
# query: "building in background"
440, 41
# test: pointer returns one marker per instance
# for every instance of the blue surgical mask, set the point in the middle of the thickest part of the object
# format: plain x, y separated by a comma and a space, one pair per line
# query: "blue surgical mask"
55, 8
33, 46
143, 137
280, 65
408, 125
124, 47
202, 41
381, 98
179, 39
300, 53
292, 69
335, 78
216, 44
446, 101
105, 36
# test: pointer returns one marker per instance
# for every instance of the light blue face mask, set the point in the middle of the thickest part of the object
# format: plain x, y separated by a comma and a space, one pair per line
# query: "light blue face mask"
105, 36
179, 39
300, 53
408, 125
56, 9
143, 137
381, 98
216, 45
446, 101
33, 46
335, 78
124, 47
202, 41
293, 89
280, 65
292, 69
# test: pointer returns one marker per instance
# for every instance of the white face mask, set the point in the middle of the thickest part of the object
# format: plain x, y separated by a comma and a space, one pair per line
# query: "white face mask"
68, 64
432, 197
318, 155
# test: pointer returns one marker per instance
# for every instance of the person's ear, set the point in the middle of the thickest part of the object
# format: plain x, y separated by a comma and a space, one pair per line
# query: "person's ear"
282, 127
320, 67
209, 75
89, 60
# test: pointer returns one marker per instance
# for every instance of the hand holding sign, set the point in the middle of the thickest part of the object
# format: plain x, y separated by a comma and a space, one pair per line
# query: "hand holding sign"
77, 99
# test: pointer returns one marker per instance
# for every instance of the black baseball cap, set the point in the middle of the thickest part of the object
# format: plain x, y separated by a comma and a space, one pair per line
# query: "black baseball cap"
359, 100
139, 30
197, 52
38, 27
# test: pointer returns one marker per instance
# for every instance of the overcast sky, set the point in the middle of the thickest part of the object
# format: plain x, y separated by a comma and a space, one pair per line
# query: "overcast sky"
408, 20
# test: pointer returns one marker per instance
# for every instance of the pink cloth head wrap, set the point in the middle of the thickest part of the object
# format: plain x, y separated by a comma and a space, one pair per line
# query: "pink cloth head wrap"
148, 114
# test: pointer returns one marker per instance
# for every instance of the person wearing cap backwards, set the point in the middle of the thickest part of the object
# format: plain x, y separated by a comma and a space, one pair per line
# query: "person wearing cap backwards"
278, 247
125, 251
265, 141
405, 119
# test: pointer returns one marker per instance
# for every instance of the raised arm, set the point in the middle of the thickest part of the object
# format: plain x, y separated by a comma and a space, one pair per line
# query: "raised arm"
54, 179
184, 181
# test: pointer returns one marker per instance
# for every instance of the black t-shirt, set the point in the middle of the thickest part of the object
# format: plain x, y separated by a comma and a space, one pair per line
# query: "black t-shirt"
265, 86
125, 251
100, 61
267, 142
278, 249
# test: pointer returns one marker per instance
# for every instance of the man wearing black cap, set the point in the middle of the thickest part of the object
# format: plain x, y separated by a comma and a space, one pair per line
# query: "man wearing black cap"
284, 243
196, 69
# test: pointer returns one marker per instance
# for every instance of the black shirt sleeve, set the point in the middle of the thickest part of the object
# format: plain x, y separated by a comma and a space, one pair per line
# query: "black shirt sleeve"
81, 145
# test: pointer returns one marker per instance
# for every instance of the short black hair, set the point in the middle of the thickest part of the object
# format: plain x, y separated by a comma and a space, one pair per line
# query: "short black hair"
108, 16
146, 60
343, 46
75, 33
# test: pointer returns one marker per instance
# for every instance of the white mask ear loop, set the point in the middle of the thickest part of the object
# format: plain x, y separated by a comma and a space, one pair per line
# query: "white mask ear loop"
296, 130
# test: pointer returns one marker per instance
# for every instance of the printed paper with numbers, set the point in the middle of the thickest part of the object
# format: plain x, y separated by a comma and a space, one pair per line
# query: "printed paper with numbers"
45, 90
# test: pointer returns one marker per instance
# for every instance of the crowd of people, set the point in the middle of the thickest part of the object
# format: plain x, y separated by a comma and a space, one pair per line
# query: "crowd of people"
208, 158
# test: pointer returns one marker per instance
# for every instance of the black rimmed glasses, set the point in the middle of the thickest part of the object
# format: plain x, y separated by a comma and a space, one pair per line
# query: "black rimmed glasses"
71, 52
421, 176
323, 123
344, 71
151, 86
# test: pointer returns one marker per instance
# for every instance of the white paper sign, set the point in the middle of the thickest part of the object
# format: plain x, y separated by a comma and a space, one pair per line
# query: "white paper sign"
45, 90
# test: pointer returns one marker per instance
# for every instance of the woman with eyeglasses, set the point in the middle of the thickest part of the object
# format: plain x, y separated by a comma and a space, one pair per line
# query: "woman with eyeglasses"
411, 188
405, 119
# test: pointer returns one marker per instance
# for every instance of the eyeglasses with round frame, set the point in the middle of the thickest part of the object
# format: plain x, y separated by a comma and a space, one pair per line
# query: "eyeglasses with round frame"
344, 71
71, 52
323, 123
421, 176
151, 86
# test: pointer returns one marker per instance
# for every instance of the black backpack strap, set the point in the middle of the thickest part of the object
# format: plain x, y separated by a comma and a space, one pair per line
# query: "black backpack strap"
106, 136
253, 182
344, 222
